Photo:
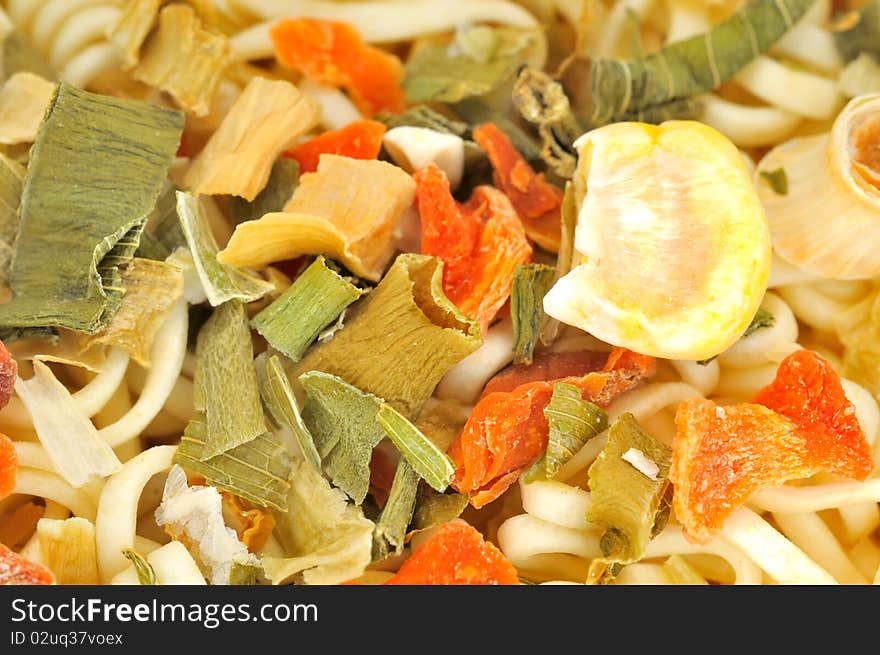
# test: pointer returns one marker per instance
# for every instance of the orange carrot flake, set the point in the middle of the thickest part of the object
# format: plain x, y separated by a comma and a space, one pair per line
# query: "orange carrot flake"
16, 570
8, 466
334, 53
481, 242
536, 201
807, 391
358, 140
507, 430
456, 555
799, 425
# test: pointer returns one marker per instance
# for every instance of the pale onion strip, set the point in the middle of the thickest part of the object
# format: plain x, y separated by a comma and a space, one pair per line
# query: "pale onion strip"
379, 21
812, 306
93, 396
671, 541
745, 125
767, 344
816, 498
810, 44
687, 19
557, 503
173, 565
702, 377
37, 482
168, 350
117, 509
810, 533
776, 555
796, 91
465, 381
337, 110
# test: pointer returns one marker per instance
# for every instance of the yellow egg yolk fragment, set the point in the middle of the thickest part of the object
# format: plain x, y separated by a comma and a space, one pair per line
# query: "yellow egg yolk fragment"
671, 249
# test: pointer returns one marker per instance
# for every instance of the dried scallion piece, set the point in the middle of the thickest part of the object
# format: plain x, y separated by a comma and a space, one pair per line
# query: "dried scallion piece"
257, 470
326, 539
145, 573
280, 401
348, 209
390, 531
628, 485
314, 300
11, 181
277, 192
184, 59
573, 421
569, 216
71, 244
530, 283
400, 339
264, 121
225, 384
151, 289
433, 508
342, 420
859, 32
220, 281
431, 463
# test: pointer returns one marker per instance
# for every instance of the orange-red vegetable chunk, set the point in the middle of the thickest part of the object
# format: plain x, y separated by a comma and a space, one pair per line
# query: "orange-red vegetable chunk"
456, 555
358, 140
16, 570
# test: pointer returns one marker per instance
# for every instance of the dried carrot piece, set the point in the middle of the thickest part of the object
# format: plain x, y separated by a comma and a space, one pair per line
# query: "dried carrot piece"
358, 140
800, 425
456, 555
507, 430
16, 570
481, 242
537, 202
8, 371
807, 391
8, 466
721, 456
334, 53
548, 366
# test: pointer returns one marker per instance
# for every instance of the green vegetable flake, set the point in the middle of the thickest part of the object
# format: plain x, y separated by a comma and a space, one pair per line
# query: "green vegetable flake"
279, 399
573, 422
777, 180
342, 420
478, 61
145, 573
628, 499
427, 459
278, 190
433, 508
220, 281
71, 243
531, 282
225, 383
390, 530
258, 470
400, 340
11, 181
326, 539
315, 299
